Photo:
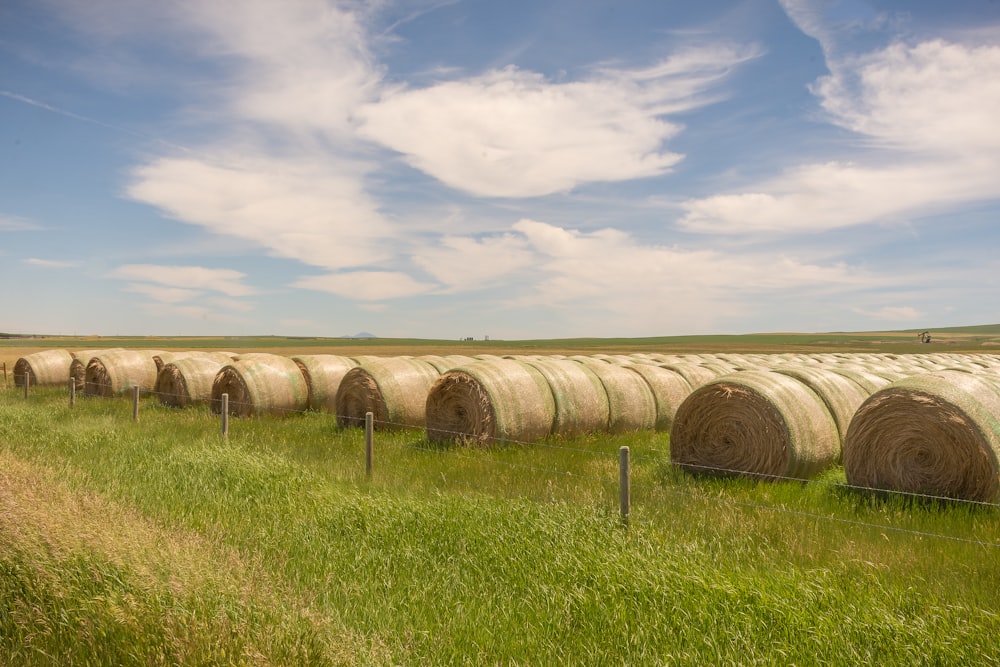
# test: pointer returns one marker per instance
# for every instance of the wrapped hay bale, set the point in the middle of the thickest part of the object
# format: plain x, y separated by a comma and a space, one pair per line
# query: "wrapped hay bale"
695, 374
393, 389
669, 391
841, 396
188, 381
581, 402
446, 362
164, 358
631, 405
45, 368
323, 374
490, 401
114, 372
936, 434
78, 367
754, 423
260, 384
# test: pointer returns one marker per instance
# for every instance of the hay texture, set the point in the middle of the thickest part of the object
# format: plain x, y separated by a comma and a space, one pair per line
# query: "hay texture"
669, 391
47, 368
841, 395
695, 374
490, 401
78, 367
631, 404
115, 372
581, 403
263, 384
393, 389
935, 434
323, 374
755, 423
187, 381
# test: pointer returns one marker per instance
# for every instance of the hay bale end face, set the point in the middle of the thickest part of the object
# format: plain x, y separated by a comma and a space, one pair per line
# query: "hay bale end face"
115, 372
754, 423
935, 434
393, 389
490, 401
47, 368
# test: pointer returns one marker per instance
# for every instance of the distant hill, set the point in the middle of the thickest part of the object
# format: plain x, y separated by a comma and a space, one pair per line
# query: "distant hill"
363, 335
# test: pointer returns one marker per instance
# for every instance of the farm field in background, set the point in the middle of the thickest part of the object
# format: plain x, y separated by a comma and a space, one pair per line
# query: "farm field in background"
159, 542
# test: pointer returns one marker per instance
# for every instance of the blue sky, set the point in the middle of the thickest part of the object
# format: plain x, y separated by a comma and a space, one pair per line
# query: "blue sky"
513, 169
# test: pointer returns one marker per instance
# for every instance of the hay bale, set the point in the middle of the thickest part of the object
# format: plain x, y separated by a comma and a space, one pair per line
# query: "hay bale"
936, 434
188, 381
695, 374
631, 404
490, 401
47, 368
115, 372
446, 362
581, 402
164, 358
260, 384
323, 374
393, 389
755, 423
841, 396
78, 367
669, 391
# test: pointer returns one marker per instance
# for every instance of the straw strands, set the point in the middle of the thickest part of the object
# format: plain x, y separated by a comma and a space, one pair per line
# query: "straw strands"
260, 384
841, 395
45, 368
756, 423
323, 374
114, 372
393, 389
187, 381
669, 391
78, 367
490, 401
631, 405
936, 434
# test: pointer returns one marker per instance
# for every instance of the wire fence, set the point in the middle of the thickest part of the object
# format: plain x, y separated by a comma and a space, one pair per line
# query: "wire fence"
620, 461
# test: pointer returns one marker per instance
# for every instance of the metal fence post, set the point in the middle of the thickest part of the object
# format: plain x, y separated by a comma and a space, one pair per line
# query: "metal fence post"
624, 484
225, 416
369, 443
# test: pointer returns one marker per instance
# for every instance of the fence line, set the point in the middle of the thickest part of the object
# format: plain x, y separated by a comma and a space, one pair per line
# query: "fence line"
457, 453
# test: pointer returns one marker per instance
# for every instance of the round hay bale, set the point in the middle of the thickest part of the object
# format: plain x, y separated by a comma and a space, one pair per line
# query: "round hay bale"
259, 385
444, 363
114, 372
78, 367
695, 374
164, 358
490, 401
187, 381
936, 434
669, 391
581, 402
631, 404
869, 382
393, 389
760, 424
323, 374
47, 368
841, 396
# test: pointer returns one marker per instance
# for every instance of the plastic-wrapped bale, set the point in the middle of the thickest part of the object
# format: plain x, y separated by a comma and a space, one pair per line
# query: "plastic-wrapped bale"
323, 374
263, 384
695, 374
446, 362
188, 381
631, 404
841, 395
936, 434
490, 401
669, 391
759, 424
115, 372
581, 402
164, 358
47, 368
393, 389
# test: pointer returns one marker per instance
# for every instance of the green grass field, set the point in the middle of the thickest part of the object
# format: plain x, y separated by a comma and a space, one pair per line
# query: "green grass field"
159, 542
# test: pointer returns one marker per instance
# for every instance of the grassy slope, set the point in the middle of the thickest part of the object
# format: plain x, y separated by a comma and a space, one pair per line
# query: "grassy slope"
158, 543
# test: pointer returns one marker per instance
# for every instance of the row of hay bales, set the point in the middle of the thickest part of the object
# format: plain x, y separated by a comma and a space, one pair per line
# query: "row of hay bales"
922, 423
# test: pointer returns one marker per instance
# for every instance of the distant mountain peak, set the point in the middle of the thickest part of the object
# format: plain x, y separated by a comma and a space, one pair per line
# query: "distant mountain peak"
363, 334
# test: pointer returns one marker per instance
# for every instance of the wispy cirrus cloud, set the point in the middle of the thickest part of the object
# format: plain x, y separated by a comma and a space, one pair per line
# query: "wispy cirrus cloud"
189, 280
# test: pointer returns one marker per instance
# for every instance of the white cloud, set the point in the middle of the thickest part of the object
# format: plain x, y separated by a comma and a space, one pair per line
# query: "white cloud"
11, 223
466, 264
164, 294
929, 110
51, 263
227, 281
365, 285
512, 133
312, 212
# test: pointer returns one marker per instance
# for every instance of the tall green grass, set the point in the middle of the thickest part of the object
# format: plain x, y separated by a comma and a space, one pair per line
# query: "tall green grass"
158, 542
